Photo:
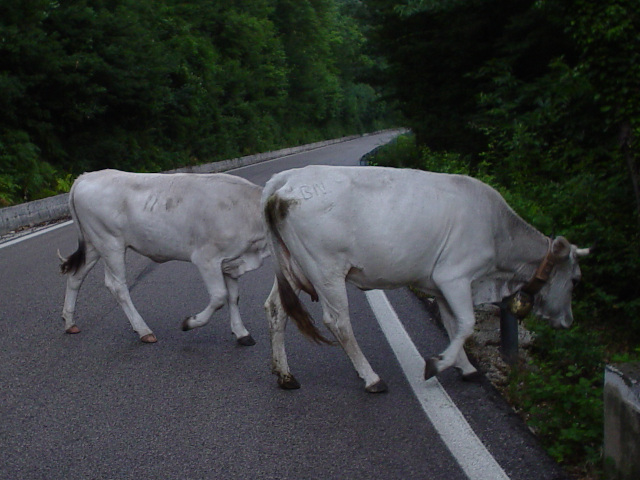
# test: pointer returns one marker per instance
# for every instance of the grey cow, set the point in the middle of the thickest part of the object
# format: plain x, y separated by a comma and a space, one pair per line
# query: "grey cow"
211, 220
450, 236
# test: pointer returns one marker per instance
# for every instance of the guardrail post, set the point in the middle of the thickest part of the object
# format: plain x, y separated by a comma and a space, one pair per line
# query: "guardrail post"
508, 333
622, 421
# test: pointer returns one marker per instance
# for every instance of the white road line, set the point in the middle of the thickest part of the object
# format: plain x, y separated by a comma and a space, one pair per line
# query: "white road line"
457, 434
35, 234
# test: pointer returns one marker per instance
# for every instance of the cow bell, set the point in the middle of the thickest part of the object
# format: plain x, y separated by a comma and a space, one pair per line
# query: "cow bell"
520, 304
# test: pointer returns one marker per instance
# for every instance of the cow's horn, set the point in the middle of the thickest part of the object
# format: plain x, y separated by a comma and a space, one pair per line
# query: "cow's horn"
581, 252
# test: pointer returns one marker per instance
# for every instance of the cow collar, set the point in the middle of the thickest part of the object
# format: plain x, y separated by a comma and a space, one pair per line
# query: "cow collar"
521, 303
542, 273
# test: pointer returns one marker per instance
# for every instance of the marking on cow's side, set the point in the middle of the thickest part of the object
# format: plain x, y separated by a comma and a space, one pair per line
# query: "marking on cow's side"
465, 446
314, 190
151, 203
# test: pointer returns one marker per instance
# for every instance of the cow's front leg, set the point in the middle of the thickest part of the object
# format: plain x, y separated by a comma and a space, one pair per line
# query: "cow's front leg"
211, 273
277, 319
462, 363
457, 295
243, 337
115, 280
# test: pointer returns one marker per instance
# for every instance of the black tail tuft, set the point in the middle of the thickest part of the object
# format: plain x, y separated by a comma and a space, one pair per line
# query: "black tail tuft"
76, 260
294, 308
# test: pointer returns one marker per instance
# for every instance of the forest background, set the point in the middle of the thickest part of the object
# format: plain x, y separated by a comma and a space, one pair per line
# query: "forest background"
539, 98
151, 85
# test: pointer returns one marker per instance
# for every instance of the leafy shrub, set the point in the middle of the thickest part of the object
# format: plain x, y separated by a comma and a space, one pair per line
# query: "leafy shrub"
400, 152
24, 175
560, 393
8, 189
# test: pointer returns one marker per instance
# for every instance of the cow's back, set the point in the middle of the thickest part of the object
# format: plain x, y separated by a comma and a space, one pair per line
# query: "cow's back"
169, 216
385, 223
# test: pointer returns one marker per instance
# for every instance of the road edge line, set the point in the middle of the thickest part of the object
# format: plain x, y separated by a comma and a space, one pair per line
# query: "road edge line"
456, 433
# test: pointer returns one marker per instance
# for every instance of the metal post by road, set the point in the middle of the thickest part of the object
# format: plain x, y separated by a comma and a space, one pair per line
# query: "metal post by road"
508, 333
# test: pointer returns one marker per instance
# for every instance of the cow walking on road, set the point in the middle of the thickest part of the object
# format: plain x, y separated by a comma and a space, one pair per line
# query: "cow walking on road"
211, 220
450, 236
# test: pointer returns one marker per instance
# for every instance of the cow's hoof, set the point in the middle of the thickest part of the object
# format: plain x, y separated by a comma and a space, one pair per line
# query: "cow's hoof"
377, 387
72, 329
149, 338
246, 341
185, 324
288, 382
431, 368
474, 377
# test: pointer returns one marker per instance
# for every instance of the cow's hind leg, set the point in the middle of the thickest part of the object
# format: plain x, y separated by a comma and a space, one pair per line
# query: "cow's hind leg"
116, 281
277, 319
243, 337
457, 295
335, 306
74, 282
462, 363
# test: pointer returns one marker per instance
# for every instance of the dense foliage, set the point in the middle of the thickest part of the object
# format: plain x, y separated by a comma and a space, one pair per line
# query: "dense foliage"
147, 85
541, 99
547, 104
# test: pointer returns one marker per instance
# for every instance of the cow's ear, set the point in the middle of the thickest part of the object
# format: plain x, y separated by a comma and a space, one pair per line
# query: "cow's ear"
561, 248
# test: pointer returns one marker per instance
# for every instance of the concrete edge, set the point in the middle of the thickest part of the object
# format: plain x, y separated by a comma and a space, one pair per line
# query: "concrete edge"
627, 385
53, 208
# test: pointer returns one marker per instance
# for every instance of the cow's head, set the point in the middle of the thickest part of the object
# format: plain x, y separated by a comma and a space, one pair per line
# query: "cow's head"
554, 300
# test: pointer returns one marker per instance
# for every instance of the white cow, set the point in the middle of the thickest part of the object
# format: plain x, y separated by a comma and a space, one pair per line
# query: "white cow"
211, 220
450, 236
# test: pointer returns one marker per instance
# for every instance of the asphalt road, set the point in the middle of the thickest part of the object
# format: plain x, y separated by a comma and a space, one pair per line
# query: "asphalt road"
102, 405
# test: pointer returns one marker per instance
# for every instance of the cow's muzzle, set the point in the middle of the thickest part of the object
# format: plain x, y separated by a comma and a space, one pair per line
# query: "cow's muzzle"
559, 322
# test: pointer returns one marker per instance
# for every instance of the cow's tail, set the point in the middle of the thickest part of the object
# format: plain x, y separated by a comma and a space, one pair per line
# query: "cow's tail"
77, 259
288, 272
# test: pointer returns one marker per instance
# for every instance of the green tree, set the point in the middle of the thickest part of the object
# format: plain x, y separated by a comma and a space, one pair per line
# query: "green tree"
432, 50
607, 35
28, 57
148, 85
314, 88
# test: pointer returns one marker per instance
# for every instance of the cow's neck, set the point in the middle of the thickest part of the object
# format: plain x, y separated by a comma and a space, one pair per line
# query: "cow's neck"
521, 249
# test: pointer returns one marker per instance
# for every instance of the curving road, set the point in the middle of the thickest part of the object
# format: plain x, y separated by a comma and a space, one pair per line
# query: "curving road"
102, 405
